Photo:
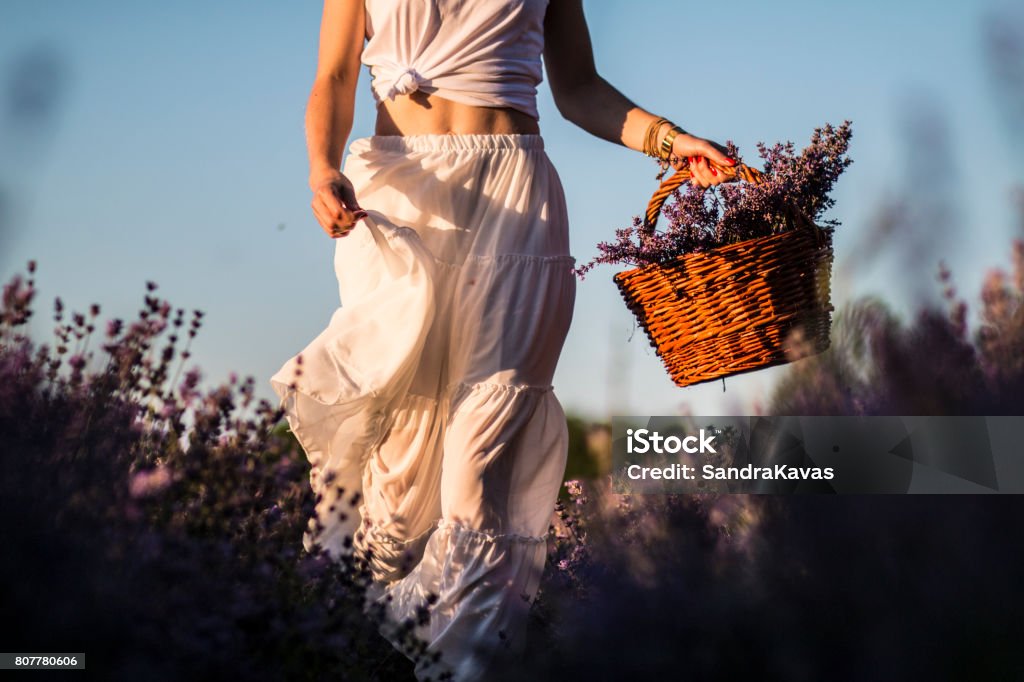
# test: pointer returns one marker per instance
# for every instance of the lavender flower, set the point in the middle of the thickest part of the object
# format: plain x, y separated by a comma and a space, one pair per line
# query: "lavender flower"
701, 220
148, 483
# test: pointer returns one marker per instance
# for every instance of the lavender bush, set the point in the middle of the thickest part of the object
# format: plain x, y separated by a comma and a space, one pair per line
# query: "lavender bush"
701, 219
157, 526
879, 366
780, 588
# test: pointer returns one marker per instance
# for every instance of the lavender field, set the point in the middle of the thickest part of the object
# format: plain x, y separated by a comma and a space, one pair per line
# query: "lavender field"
157, 527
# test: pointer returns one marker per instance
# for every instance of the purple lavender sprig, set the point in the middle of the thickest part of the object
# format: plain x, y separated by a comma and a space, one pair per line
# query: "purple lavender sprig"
701, 220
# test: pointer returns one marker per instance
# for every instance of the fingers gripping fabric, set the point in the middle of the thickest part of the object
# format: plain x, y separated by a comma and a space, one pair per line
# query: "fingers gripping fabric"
430, 394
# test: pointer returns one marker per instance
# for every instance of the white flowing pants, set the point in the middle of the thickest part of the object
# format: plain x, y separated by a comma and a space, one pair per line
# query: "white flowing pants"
430, 390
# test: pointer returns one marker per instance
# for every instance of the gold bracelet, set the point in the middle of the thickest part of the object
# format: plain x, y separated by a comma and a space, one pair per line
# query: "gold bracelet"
651, 137
670, 138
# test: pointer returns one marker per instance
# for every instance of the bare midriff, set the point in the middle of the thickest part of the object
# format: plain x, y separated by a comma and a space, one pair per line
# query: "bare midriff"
422, 114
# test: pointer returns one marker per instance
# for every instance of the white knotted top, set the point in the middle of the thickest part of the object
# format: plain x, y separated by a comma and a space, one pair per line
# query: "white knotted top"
479, 52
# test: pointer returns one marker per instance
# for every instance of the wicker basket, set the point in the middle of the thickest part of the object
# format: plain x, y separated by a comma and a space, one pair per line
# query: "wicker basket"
732, 309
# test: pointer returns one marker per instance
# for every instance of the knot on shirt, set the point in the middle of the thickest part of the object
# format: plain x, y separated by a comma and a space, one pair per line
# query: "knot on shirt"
409, 81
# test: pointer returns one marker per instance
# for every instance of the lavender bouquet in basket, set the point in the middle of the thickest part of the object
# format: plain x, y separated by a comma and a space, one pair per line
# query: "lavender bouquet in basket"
739, 279
704, 219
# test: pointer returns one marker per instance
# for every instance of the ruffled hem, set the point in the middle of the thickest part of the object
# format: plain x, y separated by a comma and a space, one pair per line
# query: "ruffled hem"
477, 586
458, 529
356, 429
388, 557
392, 536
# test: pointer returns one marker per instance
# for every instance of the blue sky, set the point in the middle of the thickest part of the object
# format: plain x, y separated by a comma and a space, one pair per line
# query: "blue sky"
175, 153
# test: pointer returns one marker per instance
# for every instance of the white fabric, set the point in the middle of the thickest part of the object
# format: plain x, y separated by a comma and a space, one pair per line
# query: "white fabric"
430, 390
485, 52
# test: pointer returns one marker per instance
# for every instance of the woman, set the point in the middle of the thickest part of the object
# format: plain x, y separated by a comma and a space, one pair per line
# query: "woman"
430, 391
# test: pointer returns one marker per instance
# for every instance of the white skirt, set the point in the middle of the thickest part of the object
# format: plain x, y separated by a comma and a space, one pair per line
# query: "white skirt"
428, 398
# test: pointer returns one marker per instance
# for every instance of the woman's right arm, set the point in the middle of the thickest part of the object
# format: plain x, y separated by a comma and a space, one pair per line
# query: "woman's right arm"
330, 111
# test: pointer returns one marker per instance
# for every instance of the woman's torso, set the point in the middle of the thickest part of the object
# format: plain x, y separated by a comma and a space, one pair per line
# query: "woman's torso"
455, 66
422, 114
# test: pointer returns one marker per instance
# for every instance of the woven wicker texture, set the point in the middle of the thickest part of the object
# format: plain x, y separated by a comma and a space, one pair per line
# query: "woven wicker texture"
733, 309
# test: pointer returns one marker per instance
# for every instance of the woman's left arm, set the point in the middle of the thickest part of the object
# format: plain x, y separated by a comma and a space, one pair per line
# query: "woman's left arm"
586, 99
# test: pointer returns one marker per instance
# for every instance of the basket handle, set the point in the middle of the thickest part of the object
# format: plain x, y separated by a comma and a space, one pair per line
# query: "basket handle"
740, 171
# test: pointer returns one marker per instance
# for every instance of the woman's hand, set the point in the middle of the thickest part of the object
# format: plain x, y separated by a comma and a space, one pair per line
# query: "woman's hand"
335, 205
695, 152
